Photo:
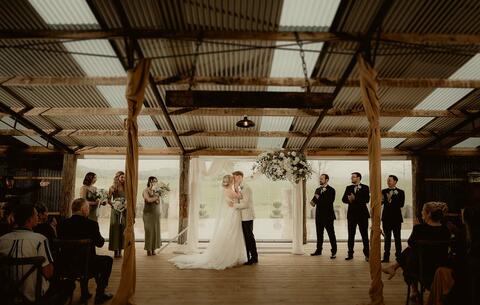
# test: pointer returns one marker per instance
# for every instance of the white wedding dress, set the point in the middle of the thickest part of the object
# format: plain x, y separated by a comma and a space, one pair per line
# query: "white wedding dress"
227, 246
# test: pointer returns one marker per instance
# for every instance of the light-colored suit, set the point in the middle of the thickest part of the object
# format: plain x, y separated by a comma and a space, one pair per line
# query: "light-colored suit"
246, 204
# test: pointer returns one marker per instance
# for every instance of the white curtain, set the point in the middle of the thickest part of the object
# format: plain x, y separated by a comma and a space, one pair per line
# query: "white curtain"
198, 171
297, 234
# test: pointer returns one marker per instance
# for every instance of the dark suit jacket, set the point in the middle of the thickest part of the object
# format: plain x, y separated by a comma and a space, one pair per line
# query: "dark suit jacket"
79, 227
392, 213
358, 208
324, 204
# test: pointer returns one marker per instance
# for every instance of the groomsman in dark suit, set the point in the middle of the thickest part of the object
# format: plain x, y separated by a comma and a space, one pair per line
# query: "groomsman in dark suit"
357, 197
393, 200
324, 215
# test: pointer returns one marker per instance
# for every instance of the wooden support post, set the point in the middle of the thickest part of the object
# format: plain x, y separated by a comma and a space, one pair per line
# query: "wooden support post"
417, 182
68, 184
183, 197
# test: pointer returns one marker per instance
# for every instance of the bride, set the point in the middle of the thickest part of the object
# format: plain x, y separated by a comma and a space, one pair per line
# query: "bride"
227, 246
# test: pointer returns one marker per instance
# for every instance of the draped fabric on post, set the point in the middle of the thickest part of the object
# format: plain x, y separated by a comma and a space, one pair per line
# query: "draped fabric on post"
297, 215
371, 103
137, 80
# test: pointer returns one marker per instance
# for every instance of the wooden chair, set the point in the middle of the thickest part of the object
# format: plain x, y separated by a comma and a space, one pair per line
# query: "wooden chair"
11, 288
422, 247
72, 261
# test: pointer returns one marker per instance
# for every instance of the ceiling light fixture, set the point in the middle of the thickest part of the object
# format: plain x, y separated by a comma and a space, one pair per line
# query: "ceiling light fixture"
245, 123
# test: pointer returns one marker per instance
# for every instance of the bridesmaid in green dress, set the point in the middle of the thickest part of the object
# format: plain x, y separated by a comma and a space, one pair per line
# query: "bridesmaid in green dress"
88, 192
117, 218
151, 217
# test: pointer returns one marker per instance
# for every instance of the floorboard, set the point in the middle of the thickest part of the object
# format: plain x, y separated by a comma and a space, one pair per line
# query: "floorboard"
279, 278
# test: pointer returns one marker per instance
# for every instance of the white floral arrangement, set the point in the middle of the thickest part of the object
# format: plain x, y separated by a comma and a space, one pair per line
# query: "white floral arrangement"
283, 165
102, 196
119, 204
162, 190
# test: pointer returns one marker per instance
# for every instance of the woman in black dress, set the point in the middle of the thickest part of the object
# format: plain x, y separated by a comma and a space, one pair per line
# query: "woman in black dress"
436, 255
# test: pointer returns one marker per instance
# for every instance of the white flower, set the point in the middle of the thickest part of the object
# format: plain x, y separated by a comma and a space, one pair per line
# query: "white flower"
294, 153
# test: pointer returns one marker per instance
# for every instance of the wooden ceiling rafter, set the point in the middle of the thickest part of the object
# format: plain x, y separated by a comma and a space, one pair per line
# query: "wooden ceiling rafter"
234, 133
34, 81
430, 38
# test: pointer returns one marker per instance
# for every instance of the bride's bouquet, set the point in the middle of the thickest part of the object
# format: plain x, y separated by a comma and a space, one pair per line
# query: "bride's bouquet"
119, 204
162, 190
283, 165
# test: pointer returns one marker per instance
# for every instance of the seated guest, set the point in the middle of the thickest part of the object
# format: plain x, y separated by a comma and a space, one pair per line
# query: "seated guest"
23, 242
45, 226
431, 230
6, 218
80, 227
472, 221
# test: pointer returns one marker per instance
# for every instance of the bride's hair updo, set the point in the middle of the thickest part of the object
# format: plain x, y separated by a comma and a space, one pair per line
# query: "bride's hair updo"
227, 180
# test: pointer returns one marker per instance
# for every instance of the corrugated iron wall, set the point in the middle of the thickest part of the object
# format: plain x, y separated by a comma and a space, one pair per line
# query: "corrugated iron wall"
444, 179
21, 165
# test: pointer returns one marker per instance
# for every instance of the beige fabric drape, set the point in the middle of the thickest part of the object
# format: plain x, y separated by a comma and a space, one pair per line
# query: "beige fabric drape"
371, 103
137, 80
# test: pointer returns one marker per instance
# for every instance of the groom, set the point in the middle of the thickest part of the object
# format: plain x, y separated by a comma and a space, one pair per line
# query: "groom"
246, 206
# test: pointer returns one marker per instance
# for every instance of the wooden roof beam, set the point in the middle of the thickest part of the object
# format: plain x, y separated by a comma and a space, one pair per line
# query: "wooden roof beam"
247, 99
32, 81
103, 111
236, 133
430, 38
311, 153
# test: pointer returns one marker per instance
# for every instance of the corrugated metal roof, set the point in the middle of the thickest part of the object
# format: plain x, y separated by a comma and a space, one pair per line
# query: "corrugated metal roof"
340, 143
273, 124
468, 143
62, 12
19, 15
8, 100
393, 60
411, 123
152, 142
305, 124
220, 142
248, 15
62, 96
288, 63
21, 58
391, 142
99, 58
90, 122
415, 143
102, 141
307, 15
421, 16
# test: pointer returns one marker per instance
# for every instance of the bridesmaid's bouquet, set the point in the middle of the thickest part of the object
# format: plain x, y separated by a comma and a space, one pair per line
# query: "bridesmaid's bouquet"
162, 190
119, 204
102, 196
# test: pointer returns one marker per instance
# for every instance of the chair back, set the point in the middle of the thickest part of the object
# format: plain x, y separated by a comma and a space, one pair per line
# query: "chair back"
12, 285
72, 258
427, 263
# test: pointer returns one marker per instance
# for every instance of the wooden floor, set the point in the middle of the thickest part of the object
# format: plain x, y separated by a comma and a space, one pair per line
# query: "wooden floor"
279, 278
